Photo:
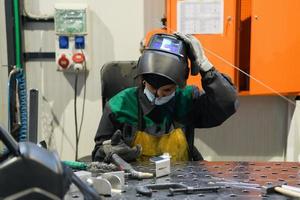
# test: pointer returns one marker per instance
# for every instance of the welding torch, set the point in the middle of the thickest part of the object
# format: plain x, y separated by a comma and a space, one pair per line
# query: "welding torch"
127, 168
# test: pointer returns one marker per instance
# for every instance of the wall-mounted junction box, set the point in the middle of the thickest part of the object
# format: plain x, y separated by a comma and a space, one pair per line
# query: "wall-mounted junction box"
71, 37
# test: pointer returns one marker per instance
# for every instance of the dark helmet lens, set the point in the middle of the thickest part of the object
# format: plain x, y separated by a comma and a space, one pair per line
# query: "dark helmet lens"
167, 43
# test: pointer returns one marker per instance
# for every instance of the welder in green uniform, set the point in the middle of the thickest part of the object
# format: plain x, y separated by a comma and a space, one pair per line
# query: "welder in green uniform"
161, 114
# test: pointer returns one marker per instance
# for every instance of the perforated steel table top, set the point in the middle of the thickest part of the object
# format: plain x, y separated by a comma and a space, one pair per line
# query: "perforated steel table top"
238, 180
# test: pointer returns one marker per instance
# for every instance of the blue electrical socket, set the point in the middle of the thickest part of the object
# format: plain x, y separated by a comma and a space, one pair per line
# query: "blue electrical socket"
63, 42
79, 42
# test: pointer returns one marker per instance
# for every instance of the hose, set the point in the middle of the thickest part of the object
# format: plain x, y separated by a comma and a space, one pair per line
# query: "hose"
9, 91
20, 77
21, 81
17, 34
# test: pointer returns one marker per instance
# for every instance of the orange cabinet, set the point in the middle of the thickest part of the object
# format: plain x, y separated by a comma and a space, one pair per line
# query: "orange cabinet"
275, 46
220, 44
261, 37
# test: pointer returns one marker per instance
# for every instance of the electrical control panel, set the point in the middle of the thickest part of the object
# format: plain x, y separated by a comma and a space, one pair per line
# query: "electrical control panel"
72, 33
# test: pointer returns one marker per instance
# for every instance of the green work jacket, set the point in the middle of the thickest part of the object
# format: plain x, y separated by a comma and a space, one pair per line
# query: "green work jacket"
191, 108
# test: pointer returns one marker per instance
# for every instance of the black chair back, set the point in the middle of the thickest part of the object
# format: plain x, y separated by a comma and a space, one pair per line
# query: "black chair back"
116, 76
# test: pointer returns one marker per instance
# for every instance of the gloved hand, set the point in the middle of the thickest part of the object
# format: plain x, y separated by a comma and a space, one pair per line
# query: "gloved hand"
199, 62
117, 145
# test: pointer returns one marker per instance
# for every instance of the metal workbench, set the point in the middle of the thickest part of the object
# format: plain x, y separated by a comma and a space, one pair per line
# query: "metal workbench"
239, 180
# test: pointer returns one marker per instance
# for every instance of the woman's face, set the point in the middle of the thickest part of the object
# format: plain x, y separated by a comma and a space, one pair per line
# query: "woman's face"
163, 91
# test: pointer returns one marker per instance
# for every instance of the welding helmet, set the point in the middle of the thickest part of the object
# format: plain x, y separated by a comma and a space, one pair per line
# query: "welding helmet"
165, 56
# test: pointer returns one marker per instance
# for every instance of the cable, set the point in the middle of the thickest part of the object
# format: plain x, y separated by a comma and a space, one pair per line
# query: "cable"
9, 141
75, 115
250, 76
84, 95
78, 133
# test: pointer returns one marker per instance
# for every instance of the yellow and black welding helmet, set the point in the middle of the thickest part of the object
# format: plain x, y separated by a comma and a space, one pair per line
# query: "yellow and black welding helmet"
165, 56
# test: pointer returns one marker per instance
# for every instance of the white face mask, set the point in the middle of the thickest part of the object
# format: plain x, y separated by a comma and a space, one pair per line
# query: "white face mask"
157, 100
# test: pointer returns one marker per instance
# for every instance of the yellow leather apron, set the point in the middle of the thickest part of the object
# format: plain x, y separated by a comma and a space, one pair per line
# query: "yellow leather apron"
174, 143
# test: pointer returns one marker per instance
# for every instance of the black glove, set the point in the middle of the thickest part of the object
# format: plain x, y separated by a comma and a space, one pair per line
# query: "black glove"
199, 62
117, 145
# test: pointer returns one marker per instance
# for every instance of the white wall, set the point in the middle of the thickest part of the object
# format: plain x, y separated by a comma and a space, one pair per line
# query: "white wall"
154, 11
116, 30
293, 139
258, 131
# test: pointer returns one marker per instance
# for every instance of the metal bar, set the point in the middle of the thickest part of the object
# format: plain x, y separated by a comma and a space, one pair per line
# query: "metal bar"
39, 55
30, 19
33, 115
10, 34
11, 62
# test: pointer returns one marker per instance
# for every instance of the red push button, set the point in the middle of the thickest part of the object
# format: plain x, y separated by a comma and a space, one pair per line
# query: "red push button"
63, 61
78, 58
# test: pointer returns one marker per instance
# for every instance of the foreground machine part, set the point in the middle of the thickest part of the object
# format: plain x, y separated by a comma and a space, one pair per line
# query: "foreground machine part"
28, 171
